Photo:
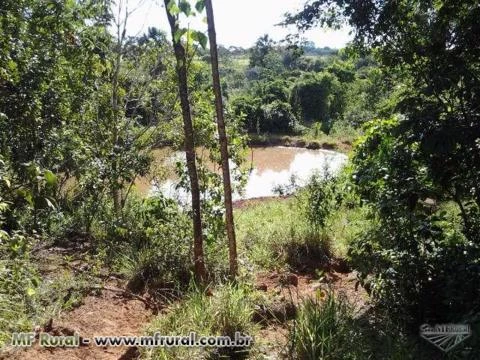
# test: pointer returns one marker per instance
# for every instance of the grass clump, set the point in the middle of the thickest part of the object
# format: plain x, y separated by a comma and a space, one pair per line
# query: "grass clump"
223, 312
323, 330
18, 297
330, 328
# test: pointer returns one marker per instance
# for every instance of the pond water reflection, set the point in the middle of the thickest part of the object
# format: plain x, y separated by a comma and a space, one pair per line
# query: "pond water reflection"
271, 167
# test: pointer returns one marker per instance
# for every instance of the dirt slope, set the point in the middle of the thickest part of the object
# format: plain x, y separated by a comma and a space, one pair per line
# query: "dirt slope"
111, 313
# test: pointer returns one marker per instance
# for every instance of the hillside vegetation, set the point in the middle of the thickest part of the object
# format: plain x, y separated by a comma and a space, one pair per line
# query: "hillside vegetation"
348, 266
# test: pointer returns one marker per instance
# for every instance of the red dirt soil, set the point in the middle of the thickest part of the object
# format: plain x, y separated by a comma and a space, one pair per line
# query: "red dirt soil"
297, 287
113, 313
108, 314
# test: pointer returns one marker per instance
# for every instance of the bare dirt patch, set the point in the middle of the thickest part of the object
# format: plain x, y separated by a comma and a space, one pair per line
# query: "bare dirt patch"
110, 313
241, 204
296, 287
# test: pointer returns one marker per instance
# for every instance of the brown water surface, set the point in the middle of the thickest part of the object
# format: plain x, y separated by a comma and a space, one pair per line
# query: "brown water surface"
270, 167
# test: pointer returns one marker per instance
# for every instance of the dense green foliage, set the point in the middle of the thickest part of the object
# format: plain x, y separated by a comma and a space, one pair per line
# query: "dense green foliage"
418, 172
83, 106
420, 252
292, 88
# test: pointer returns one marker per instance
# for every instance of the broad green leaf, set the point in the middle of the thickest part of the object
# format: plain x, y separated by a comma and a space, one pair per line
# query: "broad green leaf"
178, 34
173, 8
12, 65
200, 5
201, 38
185, 7
32, 168
50, 178
26, 195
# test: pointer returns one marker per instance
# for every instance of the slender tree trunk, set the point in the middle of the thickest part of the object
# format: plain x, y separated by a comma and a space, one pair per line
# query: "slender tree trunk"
116, 189
189, 145
227, 188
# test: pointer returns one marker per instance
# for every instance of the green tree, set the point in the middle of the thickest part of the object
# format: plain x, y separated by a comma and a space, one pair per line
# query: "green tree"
318, 97
223, 140
432, 150
173, 10
436, 61
260, 51
51, 54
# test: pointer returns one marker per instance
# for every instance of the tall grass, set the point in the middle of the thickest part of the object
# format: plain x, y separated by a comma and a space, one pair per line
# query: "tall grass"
229, 309
275, 235
323, 330
17, 297
331, 329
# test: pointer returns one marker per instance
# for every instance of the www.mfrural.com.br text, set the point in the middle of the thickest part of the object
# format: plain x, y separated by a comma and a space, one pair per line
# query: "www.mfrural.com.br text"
156, 340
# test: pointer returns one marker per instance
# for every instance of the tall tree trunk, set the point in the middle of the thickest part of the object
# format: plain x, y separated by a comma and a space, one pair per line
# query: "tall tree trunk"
227, 187
116, 190
189, 145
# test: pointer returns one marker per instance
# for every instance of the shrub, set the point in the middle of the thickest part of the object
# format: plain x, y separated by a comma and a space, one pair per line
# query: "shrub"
151, 244
277, 118
307, 251
248, 108
318, 97
276, 90
318, 200
265, 114
421, 262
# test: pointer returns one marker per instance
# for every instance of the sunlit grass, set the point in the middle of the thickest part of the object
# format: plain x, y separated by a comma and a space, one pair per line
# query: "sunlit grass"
222, 311
266, 229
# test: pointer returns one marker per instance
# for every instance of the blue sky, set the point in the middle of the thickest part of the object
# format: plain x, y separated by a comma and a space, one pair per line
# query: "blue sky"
238, 22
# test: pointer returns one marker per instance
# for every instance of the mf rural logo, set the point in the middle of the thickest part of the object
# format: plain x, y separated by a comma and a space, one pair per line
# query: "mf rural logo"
447, 336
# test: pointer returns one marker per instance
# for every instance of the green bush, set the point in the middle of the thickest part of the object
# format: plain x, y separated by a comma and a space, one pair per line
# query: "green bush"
269, 111
318, 200
421, 260
249, 109
150, 245
277, 118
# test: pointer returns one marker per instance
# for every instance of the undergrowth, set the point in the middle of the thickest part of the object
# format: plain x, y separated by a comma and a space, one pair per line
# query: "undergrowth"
222, 311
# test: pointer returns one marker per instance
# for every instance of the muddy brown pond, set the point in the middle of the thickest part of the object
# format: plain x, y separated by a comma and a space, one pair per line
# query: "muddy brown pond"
269, 168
